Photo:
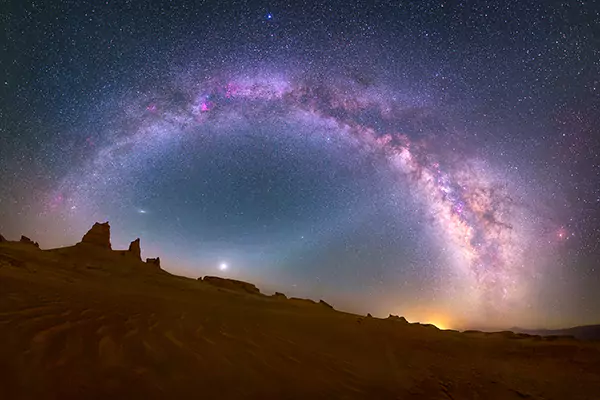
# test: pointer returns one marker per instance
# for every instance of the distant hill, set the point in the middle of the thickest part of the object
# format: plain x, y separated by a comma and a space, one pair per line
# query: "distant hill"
588, 332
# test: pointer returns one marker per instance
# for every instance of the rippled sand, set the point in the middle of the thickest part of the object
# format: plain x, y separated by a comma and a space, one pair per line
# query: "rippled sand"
84, 325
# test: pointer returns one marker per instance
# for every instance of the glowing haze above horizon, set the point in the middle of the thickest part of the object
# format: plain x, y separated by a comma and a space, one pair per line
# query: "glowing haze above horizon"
434, 160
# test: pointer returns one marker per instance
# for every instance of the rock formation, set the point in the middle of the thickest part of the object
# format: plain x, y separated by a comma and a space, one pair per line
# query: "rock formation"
2, 239
98, 235
25, 239
153, 261
136, 250
393, 317
231, 284
304, 301
279, 295
324, 303
558, 337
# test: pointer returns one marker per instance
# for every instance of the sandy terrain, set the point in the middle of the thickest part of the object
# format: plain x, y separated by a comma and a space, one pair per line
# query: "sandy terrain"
86, 323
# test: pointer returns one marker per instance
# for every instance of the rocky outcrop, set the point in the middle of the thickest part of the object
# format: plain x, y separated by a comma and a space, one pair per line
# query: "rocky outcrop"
559, 337
369, 315
393, 317
231, 284
279, 295
513, 335
135, 250
153, 261
518, 335
302, 301
324, 303
26, 240
98, 235
2, 239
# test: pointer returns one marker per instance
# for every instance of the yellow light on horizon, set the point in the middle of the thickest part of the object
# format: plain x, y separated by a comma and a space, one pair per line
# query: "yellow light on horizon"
428, 316
439, 321
440, 325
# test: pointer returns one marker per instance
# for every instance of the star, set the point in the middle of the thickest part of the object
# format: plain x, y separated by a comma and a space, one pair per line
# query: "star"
405, 164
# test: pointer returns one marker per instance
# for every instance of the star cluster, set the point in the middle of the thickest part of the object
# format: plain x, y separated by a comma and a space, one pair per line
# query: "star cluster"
433, 160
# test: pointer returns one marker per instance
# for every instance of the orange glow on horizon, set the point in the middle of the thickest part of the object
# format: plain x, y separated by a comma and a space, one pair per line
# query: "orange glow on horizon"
440, 325
440, 321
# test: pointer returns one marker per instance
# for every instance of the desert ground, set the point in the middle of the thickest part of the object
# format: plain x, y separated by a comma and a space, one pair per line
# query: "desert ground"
88, 322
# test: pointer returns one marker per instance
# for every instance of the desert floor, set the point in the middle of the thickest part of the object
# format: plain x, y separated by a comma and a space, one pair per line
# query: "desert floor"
80, 325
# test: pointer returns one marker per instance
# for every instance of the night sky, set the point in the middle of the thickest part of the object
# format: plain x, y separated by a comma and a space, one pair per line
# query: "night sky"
437, 160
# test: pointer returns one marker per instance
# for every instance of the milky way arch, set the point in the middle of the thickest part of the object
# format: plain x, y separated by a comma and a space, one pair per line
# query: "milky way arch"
464, 198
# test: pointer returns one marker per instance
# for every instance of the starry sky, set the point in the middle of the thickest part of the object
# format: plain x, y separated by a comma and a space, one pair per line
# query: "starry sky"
437, 160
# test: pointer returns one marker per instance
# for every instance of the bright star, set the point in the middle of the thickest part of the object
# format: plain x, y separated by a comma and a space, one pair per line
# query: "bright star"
562, 233
223, 266
269, 16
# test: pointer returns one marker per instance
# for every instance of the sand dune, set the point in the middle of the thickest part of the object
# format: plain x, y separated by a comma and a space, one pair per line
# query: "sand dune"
88, 322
